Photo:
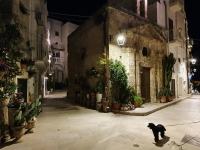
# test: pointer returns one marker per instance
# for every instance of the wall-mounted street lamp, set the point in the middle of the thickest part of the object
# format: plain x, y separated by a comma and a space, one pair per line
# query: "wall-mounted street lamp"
193, 61
120, 39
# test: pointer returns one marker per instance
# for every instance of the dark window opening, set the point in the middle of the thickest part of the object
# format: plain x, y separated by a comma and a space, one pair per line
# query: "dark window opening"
56, 33
144, 51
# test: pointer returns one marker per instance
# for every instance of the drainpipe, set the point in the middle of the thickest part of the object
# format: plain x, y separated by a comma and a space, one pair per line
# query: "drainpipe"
186, 52
166, 26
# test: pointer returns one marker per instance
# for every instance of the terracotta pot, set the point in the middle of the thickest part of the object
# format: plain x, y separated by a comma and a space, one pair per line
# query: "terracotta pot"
2, 73
31, 123
18, 132
4, 102
105, 104
170, 98
23, 66
163, 99
158, 100
117, 106
136, 104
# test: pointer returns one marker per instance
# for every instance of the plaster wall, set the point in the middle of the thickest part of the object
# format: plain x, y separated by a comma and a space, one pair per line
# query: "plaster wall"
84, 48
67, 29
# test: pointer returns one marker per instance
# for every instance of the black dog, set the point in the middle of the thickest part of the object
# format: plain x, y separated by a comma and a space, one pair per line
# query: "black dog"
156, 129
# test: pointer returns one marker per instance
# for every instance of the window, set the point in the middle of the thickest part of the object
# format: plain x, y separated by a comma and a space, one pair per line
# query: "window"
38, 16
56, 33
58, 54
144, 51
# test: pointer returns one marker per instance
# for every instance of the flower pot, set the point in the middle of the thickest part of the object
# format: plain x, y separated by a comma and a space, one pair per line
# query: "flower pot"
18, 132
163, 99
4, 102
158, 100
117, 106
2, 74
99, 97
23, 66
170, 98
105, 104
31, 123
48, 92
136, 104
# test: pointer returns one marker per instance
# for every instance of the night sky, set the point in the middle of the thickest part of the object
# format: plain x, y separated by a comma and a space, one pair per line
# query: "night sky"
77, 11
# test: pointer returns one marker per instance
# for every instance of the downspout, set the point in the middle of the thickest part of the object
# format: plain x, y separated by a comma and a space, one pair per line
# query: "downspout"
166, 26
105, 35
186, 52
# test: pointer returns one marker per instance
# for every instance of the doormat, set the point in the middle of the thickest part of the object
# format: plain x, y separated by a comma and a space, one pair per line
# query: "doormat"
191, 140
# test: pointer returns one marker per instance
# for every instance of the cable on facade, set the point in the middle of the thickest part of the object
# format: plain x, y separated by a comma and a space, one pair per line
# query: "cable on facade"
65, 18
67, 15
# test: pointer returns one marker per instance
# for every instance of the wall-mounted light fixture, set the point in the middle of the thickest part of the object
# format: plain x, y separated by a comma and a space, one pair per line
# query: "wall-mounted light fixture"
194, 69
120, 39
193, 61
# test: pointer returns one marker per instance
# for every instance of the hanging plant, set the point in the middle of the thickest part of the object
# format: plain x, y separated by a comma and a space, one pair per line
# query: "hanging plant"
23, 9
31, 62
25, 61
31, 72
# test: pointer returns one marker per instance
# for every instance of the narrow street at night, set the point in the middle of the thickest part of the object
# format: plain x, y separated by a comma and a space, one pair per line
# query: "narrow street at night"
65, 126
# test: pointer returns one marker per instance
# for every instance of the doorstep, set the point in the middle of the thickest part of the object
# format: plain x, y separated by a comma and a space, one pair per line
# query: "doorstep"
149, 108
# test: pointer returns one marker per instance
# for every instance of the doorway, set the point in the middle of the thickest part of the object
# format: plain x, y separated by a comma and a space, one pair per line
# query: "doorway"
145, 83
23, 88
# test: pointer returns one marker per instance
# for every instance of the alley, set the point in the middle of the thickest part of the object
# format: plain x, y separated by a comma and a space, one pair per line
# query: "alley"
65, 126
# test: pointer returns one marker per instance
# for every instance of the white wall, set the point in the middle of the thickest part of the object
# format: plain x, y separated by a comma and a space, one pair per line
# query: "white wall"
67, 29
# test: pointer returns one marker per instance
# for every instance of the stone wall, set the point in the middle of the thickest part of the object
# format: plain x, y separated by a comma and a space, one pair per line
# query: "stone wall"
87, 43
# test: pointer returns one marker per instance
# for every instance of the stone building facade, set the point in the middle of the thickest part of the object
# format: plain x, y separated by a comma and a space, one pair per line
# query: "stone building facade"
145, 45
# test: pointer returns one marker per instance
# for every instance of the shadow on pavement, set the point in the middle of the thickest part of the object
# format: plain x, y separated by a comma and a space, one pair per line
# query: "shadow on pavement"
162, 142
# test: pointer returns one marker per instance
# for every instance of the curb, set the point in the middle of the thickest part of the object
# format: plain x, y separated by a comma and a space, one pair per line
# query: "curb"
154, 110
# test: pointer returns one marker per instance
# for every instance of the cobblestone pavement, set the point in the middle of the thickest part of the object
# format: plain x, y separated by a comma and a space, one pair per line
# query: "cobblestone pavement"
65, 126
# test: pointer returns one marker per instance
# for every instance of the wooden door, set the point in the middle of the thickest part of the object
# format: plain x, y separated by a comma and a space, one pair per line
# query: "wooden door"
145, 84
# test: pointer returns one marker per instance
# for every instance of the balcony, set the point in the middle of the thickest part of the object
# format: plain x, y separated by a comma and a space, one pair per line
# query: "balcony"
176, 5
175, 38
57, 47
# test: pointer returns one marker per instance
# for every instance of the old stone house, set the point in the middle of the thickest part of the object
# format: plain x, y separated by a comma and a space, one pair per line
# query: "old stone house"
146, 42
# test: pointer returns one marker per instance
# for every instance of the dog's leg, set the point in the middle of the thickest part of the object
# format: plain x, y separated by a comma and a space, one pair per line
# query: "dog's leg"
162, 134
156, 136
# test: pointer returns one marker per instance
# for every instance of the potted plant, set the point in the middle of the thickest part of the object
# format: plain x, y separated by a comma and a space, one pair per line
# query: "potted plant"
158, 97
116, 104
31, 62
49, 85
34, 110
19, 124
31, 72
99, 90
137, 101
101, 62
163, 93
170, 95
24, 63
119, 79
